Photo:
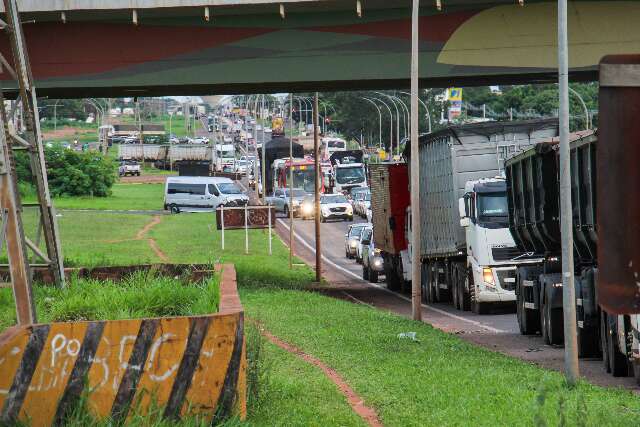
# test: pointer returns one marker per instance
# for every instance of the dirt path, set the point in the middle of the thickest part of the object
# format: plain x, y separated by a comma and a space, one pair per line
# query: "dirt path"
145, 179
365, 412
141, 235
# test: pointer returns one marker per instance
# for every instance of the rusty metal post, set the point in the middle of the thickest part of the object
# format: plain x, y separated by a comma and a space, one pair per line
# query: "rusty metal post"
12, 226
316, 162
33, 143
416, 278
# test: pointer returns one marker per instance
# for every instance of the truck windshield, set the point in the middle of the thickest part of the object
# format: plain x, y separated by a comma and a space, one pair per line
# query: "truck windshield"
353, 175
226, 154
492, 208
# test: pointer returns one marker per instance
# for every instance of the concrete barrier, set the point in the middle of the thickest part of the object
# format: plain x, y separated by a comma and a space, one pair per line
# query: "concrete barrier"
184, 365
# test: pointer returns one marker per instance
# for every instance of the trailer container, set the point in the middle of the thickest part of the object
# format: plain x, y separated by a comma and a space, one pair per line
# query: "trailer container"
389, 184
142, 152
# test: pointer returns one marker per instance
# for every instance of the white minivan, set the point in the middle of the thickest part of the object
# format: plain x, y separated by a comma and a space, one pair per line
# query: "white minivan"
201, 193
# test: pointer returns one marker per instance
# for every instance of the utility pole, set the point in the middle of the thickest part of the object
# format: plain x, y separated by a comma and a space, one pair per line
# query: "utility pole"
316, 162
12, 230
416, 297
290, 180
264, 154
571, 369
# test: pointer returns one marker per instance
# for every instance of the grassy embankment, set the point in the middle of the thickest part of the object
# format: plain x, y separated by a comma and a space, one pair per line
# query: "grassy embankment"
439, 380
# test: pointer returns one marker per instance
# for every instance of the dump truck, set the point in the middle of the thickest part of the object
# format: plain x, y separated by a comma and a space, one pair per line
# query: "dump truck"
606, 236
389, 184
467, 254
534, 212
348, 170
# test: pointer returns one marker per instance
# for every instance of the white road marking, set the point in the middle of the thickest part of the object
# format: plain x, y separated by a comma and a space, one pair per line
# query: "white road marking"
352, 274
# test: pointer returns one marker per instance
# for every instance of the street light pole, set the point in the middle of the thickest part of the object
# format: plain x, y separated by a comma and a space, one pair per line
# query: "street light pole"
428, 114
416, 278
390, 125
406, 115
566, 220
290, 180
316, 155
264, 146
379, 117
397, 122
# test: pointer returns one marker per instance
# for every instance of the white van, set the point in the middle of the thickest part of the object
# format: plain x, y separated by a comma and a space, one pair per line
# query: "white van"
201, 193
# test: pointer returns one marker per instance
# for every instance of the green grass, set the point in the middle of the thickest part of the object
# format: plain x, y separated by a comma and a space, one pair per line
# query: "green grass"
139, 295
123, 197
440, 380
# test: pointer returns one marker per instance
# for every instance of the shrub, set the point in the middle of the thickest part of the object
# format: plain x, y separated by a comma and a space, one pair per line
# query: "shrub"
72, 173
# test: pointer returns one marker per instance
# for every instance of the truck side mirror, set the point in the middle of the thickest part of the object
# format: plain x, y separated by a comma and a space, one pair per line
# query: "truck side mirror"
462, 209
465, 222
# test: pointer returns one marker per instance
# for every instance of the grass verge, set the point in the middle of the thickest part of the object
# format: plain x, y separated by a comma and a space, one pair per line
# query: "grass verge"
440, 380
123, 197
139, 295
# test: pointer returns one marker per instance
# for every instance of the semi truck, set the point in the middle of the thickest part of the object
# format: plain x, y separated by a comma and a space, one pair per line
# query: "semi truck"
389, 184
348, 170
467, 255
604, 211
142, 152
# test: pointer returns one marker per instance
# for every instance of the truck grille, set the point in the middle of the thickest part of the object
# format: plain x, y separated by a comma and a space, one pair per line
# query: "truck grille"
337, 209
504, 254
507, 279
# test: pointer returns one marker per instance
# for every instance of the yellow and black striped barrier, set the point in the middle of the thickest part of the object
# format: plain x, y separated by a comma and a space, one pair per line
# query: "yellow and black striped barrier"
185, 365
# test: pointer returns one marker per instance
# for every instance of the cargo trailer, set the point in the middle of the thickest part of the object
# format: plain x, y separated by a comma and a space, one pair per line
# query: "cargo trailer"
467, 253
142, 152
389, 184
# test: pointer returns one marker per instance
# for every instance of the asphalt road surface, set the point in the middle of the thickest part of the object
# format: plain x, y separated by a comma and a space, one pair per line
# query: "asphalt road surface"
497, 331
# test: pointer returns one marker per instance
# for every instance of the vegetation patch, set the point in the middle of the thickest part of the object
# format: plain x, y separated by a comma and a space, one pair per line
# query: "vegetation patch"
437, 380
138, 295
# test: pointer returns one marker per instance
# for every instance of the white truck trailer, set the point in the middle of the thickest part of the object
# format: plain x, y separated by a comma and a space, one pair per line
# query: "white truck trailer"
467, 253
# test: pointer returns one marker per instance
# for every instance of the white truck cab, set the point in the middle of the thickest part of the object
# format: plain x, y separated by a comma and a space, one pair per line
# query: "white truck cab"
225, 157
492, 255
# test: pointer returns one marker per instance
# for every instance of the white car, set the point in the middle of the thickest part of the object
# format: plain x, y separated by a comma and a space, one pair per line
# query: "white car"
201, 140
335, 206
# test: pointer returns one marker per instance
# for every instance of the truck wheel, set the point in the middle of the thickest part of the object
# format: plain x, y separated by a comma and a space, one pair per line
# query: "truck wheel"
391, 277
604, 346
552, 325
467, 280
588, 341
365, 273
528, 320
454, 288
617, 359
373, 276
174, 209
286, 211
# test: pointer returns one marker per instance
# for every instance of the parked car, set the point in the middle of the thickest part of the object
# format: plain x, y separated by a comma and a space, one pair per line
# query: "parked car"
201, 193
281, 199
129, 167
352, 239
372, 262
364, 237
335, 206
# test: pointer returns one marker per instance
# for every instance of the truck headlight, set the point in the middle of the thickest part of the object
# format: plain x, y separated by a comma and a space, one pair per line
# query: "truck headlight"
307, 209
377, 262
487, 276
353, 243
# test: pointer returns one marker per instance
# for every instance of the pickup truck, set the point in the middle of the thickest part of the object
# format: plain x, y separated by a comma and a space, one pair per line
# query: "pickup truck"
129, 167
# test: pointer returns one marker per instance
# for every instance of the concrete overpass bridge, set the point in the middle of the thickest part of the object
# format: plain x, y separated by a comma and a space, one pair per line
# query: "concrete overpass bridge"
158, 47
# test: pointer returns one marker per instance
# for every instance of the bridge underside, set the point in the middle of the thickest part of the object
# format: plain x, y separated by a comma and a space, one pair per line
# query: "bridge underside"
317, 46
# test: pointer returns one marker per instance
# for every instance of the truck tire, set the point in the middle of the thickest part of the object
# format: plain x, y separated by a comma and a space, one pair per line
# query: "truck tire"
617, 359
430, 283
365, 273
467, 279
391, 275
373, 276
528, 320
454, 287
552, 324
174, 209
604, 346
477, 307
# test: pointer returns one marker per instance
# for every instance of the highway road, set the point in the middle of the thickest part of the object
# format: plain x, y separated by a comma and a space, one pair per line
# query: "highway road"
497, 331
